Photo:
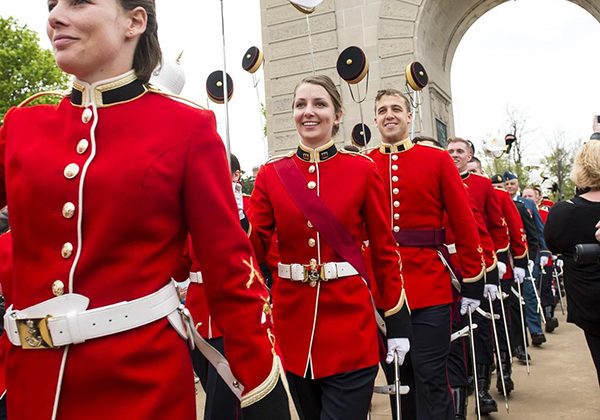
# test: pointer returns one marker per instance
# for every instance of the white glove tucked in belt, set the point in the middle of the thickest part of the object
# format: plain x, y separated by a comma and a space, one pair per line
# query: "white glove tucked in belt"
490, 290
501, 269
401, 346
239, 199
544, 260
519, 274
468, 303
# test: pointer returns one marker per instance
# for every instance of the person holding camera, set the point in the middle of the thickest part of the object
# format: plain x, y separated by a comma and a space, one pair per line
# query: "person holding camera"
574, 222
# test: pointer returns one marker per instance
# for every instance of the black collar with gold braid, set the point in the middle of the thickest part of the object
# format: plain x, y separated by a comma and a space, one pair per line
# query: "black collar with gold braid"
123, 88
400, 146
320, 154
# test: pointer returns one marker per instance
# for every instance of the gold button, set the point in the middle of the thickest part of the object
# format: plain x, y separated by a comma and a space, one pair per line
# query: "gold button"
312, 169
394, 157
86, 116
82, 146
312, 243
310, 225
396, 191
312, 185
68, 210
67, 250
396, 204
395, 178
71, 170
396, 216
58, 288
396, 229
395, 167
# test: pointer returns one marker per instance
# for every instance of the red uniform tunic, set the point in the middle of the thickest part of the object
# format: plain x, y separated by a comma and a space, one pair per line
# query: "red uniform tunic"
482, 191
518, 239
6, 280
330, 327
421, 184
101, 197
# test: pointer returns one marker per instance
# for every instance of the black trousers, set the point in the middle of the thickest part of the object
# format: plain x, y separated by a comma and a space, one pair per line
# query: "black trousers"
483, 336
429, 348
459, 357
408, 404
221, 403
593, 342
544, 286
344, 396
516, 328
503, 343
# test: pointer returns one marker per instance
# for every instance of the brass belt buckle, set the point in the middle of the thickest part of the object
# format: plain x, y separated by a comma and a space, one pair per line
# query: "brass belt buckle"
312, 274
34, 333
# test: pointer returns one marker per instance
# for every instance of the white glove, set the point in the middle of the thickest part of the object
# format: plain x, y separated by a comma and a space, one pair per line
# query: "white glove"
559, 263
543, 260
398, 345
501, 269
519, 274
239, 199
490, 290
467, 303
531, 264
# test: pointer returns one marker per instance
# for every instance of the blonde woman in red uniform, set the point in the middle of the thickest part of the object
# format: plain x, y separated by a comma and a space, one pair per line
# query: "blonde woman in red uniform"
320, 200
102, 189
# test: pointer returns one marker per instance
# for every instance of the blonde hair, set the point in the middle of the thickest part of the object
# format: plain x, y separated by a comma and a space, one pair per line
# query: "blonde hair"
586, 167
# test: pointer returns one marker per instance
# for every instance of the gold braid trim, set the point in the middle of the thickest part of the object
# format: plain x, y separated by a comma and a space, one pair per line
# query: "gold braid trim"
477, 277
267, 385
40, 94
398, 306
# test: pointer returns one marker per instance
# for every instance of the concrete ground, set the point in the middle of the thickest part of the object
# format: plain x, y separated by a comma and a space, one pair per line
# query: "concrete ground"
562, 384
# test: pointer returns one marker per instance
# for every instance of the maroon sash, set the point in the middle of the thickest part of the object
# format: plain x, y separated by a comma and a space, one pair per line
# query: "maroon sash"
324, 221
320, 216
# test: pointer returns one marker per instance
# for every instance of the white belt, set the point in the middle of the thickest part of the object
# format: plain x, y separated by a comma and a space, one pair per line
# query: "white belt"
451, 248
329, 271
64, 319
196, 277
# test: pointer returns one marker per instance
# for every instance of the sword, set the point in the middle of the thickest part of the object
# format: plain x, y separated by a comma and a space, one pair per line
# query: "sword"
474, 363
540, 310
498, 353
461, 333
521, 301
501, 297
560, 296
485, 314
397, 383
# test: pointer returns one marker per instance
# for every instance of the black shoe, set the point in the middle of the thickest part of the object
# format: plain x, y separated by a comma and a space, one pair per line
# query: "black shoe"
520, 354
460, 403
487, 404
551, 325
538, 339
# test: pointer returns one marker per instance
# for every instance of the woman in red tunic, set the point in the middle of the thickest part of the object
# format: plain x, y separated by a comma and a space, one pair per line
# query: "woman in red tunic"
322, 305
102, 190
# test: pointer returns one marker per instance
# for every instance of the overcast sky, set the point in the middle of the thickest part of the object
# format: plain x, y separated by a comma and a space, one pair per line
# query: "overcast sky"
539, 56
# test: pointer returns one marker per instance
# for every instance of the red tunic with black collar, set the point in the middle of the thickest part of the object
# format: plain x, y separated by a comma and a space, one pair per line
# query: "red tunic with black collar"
328, 328
518, 239
421, 184
482, 191
102, 189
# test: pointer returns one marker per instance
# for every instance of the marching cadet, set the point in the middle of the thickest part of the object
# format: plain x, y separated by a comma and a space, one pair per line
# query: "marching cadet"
423, 185
102, 195
517, 264
483, 194
322, 304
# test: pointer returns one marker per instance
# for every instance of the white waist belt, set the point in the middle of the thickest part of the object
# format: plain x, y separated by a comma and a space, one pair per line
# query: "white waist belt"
64, 319
196, 277
451, 248
329, 271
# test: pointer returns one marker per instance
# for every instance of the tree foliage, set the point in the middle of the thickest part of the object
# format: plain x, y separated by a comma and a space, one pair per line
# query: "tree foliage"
558, 164
25, 67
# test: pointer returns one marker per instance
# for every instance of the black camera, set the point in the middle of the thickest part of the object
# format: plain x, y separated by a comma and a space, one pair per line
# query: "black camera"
587, 253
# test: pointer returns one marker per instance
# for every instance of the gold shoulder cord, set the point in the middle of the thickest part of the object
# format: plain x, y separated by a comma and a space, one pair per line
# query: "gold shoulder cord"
32, 98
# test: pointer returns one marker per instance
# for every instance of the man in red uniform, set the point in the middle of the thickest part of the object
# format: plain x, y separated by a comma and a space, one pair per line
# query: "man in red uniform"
517, 262
422, 185
483, 194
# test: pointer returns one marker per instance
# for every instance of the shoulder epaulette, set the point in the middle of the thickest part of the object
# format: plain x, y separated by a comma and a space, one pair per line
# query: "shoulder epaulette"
175, 97
365, 151
32, 98
433, 146
275, 158
348, 152
481, 176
